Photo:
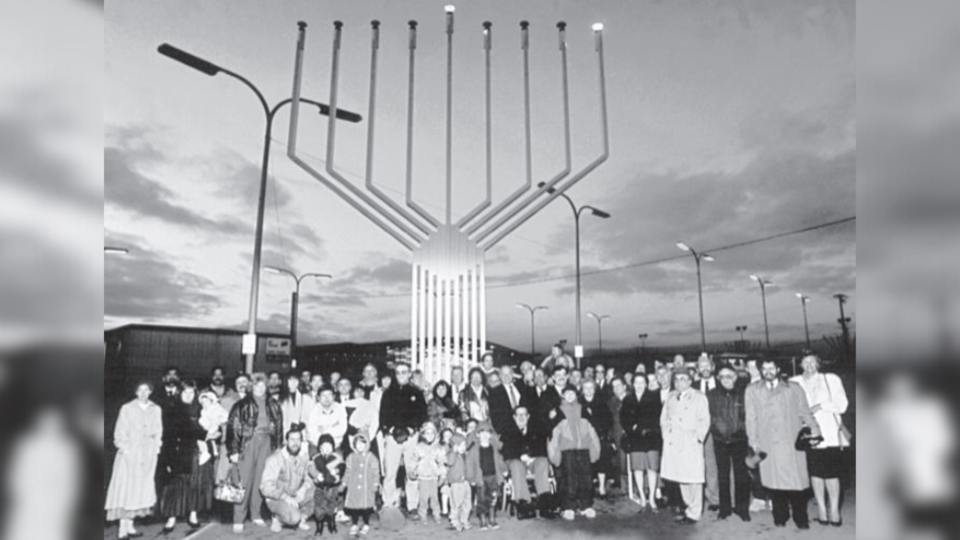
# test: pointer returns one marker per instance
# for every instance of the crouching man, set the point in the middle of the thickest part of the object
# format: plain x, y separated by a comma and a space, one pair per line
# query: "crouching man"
286, 486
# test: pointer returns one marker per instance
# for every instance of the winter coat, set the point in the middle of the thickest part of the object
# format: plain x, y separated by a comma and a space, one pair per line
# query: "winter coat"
515, 444
727, 414
572, 433
137, 436
456, 467
243, 423
362, 478
685, 422
327, 471
285, 474
181, 431
332, 421
366, 415
296, 409
441, 413
641, 422
774, 418
402, 407
616, 405
427, 461
475, 404
826, 390
474, 473
597, 412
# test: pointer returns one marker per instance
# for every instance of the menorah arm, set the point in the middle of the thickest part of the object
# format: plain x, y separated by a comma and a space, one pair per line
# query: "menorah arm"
410, 95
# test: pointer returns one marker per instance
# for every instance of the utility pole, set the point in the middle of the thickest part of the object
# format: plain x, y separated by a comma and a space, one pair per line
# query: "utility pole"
843, 320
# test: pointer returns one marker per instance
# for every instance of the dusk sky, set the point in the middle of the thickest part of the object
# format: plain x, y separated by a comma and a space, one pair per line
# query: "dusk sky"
729, 122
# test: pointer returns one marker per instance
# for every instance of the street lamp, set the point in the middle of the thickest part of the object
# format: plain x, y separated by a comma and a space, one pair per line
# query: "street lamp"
843, 320
763, 293
208, 68
741, 329
806, 327
578, 350
533, 329
699, 257
643, 345
114, 250
295, 299
600, 319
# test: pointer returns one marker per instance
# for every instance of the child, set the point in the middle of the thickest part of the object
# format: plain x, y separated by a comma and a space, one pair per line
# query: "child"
573, 447
426, 466
446, 434
486, 471
361, 482
212, 418
457, 482
326, 469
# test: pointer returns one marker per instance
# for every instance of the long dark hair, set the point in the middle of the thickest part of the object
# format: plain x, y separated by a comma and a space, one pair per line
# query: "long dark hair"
447, 400
483, 377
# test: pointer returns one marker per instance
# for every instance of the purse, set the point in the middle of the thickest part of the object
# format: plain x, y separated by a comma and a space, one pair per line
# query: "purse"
806, 441
230, 490
842, 429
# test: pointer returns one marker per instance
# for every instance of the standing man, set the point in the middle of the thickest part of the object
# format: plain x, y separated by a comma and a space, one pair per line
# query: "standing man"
326, 417
501, 406
402, 411
685, 421
711, 492
457, 384
556, 359
274, 385
218, 383
729, 433
286, 487
776, 410
551, 398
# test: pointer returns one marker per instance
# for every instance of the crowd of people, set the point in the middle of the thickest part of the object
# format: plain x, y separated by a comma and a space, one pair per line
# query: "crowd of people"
731, 438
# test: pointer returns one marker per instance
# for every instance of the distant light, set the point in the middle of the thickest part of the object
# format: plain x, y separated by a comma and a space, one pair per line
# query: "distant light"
597, 27
115, 250
683, 246
754, 277
708, 258
450, 8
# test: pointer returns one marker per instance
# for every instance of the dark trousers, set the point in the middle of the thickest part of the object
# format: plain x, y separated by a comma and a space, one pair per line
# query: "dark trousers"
577, 484
787, 501
487, 495
732, 455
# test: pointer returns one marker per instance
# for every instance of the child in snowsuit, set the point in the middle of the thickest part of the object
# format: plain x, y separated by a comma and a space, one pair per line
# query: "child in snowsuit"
426, 465
573, 447
361, 482
326, 470
212, 417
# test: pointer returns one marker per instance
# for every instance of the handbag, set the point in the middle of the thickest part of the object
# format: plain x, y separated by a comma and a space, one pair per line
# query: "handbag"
806, 441
230, 490
842, 429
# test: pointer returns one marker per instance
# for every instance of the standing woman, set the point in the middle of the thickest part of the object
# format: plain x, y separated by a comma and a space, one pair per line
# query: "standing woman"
188, 488
441, 409
255, 430
827, 400
473, 401
137, 435
294, 404
643, 439
598, 414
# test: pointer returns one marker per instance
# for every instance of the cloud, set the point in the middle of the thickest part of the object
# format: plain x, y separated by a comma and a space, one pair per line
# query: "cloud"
151, 287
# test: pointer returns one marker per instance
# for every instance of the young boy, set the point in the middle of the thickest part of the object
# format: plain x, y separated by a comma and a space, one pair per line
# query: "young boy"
326, 469
361, 482
486, 471
573, 447
426, 466
457, 481
212, 418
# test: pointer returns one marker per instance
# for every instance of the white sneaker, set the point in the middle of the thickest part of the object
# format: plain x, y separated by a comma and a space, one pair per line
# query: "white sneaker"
354, 530
568, 515
364, 530
342, 517
259, 522
275, 525
304, 526
589, 513
238, 528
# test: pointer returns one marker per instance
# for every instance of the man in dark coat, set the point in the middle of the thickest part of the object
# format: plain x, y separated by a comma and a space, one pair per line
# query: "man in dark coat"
525, 451
501, 406
403, 410
729, 431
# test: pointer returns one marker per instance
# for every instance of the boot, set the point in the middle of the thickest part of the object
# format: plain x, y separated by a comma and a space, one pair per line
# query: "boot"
546, 506
320, 522
525, 510
332, 524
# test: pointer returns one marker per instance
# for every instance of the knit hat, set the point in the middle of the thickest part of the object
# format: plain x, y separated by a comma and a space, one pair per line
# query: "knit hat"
326, 438
457, 439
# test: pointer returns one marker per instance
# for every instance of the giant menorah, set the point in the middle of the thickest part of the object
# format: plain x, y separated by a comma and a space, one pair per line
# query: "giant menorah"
448, 306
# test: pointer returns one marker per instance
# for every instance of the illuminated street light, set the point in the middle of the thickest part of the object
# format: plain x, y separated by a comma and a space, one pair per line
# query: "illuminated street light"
533, 329
699, 257
763, 293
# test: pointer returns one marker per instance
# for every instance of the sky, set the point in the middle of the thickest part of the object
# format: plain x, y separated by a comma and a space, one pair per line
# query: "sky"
729, 122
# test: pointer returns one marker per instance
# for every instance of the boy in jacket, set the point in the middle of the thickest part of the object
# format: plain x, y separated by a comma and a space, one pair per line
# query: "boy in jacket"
574, 447
486, 471
326, 469
459, 486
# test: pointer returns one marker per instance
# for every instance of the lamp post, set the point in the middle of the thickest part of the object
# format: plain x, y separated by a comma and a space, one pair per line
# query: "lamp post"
699, 257
533, 328
600, 319
643, 345
578, 349
763, 293
843, 320
211, 69
295, 299
114, 250
806, 327
742, 329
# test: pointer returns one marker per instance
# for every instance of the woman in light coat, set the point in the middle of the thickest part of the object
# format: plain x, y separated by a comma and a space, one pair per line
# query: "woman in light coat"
137, 435
827, 400
684, 422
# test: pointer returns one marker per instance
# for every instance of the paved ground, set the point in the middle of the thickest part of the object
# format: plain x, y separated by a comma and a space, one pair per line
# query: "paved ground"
616, 519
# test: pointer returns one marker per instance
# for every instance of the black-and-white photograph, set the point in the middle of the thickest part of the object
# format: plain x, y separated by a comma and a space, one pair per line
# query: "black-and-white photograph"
565, 269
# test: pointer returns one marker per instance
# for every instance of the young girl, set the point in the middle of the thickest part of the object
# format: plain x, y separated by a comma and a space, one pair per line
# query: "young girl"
212, 418
458, 484
573, 447
361, 482
486, 471
446, 435
426, 466
326, 469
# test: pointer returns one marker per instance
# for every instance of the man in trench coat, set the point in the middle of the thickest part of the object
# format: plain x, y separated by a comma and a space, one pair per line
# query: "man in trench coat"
685, 422
776, 411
